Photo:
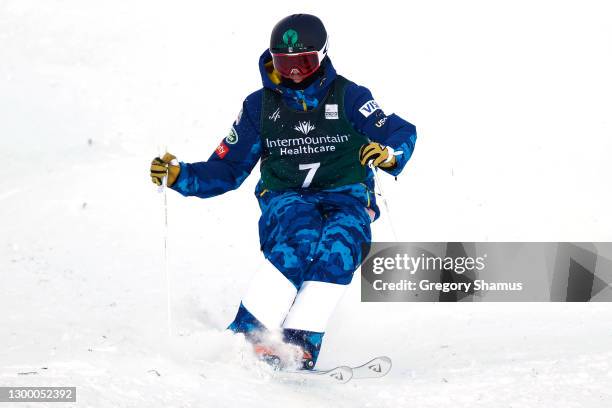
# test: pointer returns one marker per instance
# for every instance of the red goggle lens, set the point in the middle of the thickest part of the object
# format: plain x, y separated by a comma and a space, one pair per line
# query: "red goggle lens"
286, 64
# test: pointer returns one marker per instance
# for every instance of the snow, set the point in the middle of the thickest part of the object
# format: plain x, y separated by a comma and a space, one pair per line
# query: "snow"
512, 106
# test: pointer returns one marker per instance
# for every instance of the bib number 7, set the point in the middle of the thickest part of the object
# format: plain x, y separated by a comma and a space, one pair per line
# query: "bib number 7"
312, 169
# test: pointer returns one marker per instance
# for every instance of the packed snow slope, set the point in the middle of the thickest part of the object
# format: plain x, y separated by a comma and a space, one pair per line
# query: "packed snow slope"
512, 106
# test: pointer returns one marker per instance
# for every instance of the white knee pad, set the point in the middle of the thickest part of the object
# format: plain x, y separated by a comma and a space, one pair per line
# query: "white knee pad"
269, 296
313, 306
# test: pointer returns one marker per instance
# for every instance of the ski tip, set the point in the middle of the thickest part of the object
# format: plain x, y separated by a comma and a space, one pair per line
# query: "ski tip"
384, 365
387, 360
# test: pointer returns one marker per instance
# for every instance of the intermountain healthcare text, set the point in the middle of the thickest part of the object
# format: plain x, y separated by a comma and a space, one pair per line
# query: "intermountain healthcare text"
425, 285
304, 145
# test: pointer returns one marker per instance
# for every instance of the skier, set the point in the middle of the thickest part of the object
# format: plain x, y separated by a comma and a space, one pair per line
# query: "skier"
317, 134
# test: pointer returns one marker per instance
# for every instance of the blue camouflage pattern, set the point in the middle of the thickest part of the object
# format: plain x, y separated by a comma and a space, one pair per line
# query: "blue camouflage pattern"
314, 236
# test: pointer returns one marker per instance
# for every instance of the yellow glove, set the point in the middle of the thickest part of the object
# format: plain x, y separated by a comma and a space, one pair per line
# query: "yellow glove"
379, 155
166, 166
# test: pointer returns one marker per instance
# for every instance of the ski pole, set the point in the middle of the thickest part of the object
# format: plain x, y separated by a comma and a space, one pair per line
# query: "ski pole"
163, 189
383, 198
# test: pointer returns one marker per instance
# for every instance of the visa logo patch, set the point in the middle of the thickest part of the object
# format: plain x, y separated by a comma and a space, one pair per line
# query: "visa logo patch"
369, 108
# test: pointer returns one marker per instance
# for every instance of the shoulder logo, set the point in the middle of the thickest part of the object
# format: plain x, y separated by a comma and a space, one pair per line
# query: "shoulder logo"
381, 122
331, 111
275, 115
369, 108
304, 127
232, 138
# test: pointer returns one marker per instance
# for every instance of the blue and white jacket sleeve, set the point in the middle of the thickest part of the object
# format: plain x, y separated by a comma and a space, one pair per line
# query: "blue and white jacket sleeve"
368, 118
231, 162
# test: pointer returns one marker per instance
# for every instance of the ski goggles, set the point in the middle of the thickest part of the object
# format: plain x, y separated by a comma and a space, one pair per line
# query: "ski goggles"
301, 64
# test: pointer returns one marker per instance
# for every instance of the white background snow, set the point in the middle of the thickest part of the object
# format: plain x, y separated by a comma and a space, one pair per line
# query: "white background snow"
512, 105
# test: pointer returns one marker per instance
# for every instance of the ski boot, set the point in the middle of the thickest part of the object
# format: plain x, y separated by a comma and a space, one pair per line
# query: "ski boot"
287, 356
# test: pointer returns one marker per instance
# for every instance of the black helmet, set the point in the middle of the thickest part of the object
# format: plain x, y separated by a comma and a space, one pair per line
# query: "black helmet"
298, 33
298, 44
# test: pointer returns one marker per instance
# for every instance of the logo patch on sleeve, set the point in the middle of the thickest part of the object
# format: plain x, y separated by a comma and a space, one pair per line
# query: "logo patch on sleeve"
232, 137
369, 108
222, 150
331, 111
381, 122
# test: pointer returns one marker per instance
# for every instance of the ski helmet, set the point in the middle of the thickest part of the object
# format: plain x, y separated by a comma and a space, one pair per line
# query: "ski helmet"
298, 45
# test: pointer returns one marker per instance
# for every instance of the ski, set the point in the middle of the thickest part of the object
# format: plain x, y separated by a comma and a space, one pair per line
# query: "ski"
375, 368
337, 375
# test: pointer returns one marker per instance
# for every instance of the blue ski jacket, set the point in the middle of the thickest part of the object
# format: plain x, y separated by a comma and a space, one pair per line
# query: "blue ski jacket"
238, 153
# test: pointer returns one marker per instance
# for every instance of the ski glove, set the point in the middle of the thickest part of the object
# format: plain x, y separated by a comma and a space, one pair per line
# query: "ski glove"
166, 166
377, 154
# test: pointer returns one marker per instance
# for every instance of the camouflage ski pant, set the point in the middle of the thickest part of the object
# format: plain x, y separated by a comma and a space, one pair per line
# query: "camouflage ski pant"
313, 242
